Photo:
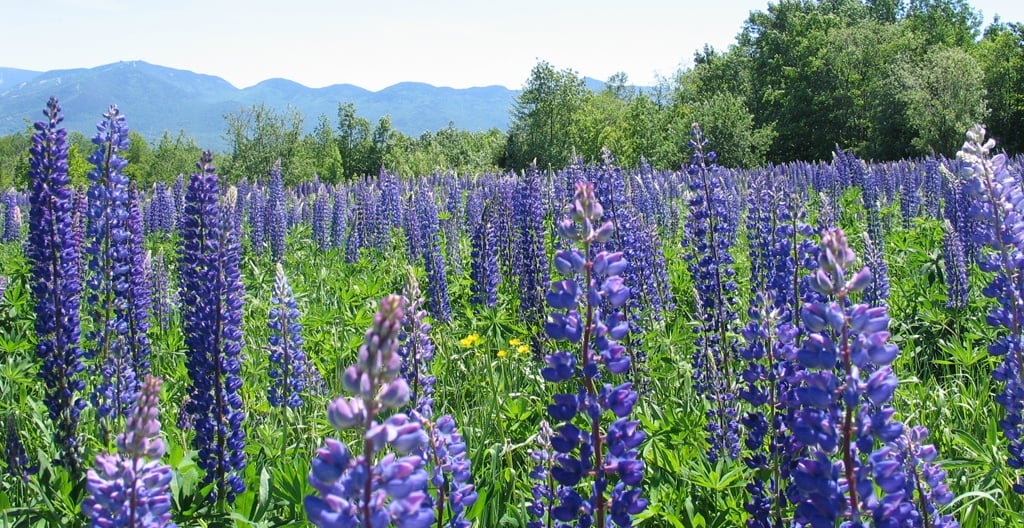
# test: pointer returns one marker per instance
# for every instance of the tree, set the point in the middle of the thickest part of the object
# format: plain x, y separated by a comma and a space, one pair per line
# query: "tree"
258, 136
546, 118
945, 96
1001, 56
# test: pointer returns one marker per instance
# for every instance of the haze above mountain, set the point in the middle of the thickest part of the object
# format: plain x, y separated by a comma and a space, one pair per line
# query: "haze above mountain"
155, 99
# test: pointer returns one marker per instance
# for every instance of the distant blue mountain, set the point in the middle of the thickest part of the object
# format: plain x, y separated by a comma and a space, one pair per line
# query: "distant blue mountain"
156, 99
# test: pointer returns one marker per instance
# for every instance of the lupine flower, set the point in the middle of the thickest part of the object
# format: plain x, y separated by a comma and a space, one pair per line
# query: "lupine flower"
339, 217
108, 277
288, 364
450, 471
257, 220
587, 461
956, 267
932, 188
12, 218
997, 204
528, 211
15, 458
484, 270
276, 213
433, 260
543, 493
709, 236
132, 488
365, 489
845, 418
138, 295
211, 305
417, 349
53, 255
321, 222
161, 294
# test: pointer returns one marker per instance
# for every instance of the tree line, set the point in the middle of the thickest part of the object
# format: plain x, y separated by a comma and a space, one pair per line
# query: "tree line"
887, 79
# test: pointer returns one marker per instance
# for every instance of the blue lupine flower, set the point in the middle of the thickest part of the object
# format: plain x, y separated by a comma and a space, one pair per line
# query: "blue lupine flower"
365, 489
288, 364
257, 220
710, 234
276, 213
956, 267
132, 488
53, 255
321, 222
997, 202
12, 218
528, 211
138, 295
433, 260
108, 252
417, 349
339, 217
211, 305
161, 294
484, 270
584, 458
15, 457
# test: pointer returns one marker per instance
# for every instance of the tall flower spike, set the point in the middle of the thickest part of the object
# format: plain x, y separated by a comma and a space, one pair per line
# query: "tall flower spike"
132, 488
288, 364
590, 458
211, 305
366, 489
998, 202
53, 255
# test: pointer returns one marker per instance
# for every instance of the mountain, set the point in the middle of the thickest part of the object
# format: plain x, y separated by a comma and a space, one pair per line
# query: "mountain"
155, 99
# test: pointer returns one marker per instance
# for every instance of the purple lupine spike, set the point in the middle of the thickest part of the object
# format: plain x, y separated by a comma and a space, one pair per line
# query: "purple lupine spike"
160, 291
276, 213
138, 296
109, 253
528, 211
339, 217
364, 488
417, 349
211, 306
53, 255
588, 317
257, 220
484, 270
321, 222
12, 217
709, 236
850, 471
15, 457
132, 488
997, 199
932, 188
956, 268
288, 364
433, 260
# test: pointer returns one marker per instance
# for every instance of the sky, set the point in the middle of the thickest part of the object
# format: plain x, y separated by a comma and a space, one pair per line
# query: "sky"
377, 43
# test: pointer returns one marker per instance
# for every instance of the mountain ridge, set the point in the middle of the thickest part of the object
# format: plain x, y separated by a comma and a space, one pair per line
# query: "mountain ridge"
157, 98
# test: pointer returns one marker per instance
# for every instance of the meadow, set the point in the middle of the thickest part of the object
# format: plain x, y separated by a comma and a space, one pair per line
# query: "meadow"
710, 336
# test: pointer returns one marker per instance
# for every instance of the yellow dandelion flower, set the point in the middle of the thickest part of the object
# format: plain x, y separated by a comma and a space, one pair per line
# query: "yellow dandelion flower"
469, 340
502, 353
523, 349
515, 342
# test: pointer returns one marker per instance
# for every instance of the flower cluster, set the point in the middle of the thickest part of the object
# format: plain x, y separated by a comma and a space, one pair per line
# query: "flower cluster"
132, 488
211, 306
53, 255
288, 364
587, 459
998, 202
276, 221
11, 231
366, 489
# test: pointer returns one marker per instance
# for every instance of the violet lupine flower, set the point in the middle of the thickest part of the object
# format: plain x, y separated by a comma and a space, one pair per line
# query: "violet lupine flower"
932, 188
138, 295
15, 457
321, 222
709, 237
53, 256
925, 479
484, 271
161, 294
528, 211
339, 217
12, 218
450, 471
3, 286
288, 364
844, 394
587, 460
107, 283
956, 268
417, 349
998, 202
257, 220
276, 213
211, 306
433, 260
132, 488
910, 198
366, 489
542, 494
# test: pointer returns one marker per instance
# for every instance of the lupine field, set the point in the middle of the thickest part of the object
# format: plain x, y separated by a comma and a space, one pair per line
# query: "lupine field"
813, 344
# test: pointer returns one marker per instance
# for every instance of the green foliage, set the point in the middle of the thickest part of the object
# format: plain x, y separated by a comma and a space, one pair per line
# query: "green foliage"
547, 118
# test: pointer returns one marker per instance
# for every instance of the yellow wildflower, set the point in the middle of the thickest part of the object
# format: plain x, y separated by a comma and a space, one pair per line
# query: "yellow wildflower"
502, 353
469, 340
515, 342
523, 349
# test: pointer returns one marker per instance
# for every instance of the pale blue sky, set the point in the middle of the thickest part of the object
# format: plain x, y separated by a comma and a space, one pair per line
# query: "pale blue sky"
374, 44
